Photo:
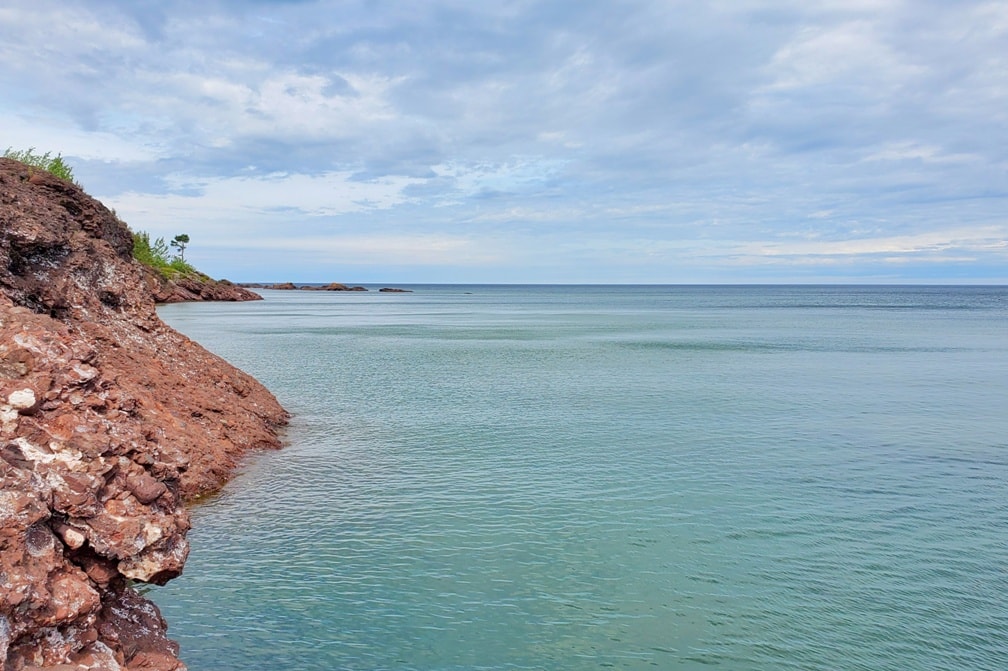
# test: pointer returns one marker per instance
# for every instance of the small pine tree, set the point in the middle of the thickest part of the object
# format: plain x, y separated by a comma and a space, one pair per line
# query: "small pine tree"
180, 243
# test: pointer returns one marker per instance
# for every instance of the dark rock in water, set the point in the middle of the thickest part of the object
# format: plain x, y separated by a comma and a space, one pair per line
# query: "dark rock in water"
282, 286
109, 422
395, 291
290, 286
335, 286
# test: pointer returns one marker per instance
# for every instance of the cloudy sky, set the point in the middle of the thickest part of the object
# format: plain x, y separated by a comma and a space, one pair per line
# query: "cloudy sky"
642, 141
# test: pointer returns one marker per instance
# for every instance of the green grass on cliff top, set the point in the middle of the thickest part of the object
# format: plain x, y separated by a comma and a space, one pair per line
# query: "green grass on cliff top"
54, 165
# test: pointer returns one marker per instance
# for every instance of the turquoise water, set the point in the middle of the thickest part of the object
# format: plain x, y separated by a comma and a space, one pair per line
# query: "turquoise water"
611, 477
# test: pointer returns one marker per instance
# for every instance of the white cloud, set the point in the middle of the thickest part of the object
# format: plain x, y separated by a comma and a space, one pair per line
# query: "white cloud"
255, 198
56, 35
517, 174
854, 53
984, 239
56, 137
909, 150
275, 104
409, 250
560, 138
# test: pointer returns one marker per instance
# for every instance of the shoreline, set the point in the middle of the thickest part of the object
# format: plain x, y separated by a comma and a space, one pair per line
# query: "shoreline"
112, 423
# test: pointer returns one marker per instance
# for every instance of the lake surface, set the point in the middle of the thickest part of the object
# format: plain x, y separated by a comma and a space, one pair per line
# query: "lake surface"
566, 478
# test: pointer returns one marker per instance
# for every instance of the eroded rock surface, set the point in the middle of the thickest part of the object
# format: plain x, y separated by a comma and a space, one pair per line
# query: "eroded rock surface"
195, 289
109, 422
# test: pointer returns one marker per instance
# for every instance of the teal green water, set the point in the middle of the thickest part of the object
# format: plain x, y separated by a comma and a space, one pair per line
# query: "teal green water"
611, 477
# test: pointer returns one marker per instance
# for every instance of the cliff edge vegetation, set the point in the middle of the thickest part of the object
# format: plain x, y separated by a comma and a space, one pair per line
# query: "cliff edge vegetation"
54, 165
172, 279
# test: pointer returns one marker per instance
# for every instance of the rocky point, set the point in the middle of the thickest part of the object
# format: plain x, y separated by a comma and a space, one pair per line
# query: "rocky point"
110, 421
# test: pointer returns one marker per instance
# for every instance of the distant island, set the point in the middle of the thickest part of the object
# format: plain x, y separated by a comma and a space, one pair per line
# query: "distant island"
332, 286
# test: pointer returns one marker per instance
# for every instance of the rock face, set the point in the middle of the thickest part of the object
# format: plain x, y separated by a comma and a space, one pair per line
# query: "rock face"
194, 289
109, 422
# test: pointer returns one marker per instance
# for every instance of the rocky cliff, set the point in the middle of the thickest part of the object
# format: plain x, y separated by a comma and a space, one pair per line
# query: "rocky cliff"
195, 287
109, 422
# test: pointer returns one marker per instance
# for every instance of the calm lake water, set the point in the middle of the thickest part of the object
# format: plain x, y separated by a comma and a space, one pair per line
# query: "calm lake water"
567, 478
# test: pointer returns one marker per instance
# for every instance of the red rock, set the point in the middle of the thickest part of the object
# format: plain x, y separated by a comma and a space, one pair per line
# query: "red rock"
101, 571
333, 286
72, 538
146, 488
105, 430
194, 288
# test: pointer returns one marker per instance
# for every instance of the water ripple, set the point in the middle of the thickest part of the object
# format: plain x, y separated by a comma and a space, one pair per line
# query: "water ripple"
611, 479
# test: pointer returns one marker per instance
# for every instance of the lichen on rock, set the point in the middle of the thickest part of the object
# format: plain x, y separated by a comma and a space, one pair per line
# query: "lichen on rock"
109, 422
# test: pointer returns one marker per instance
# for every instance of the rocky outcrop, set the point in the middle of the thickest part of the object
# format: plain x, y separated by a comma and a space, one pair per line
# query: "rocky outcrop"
194, 288
335, 286
109, 422
281, 286
290, 286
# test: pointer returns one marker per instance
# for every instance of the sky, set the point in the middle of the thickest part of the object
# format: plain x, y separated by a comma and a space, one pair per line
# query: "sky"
515, 141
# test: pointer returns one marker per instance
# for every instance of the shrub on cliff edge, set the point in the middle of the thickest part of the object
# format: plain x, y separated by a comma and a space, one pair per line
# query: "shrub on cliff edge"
153, 254
156, 255
54, 165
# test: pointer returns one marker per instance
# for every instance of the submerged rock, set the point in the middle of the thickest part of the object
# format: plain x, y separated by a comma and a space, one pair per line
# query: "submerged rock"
109, 422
